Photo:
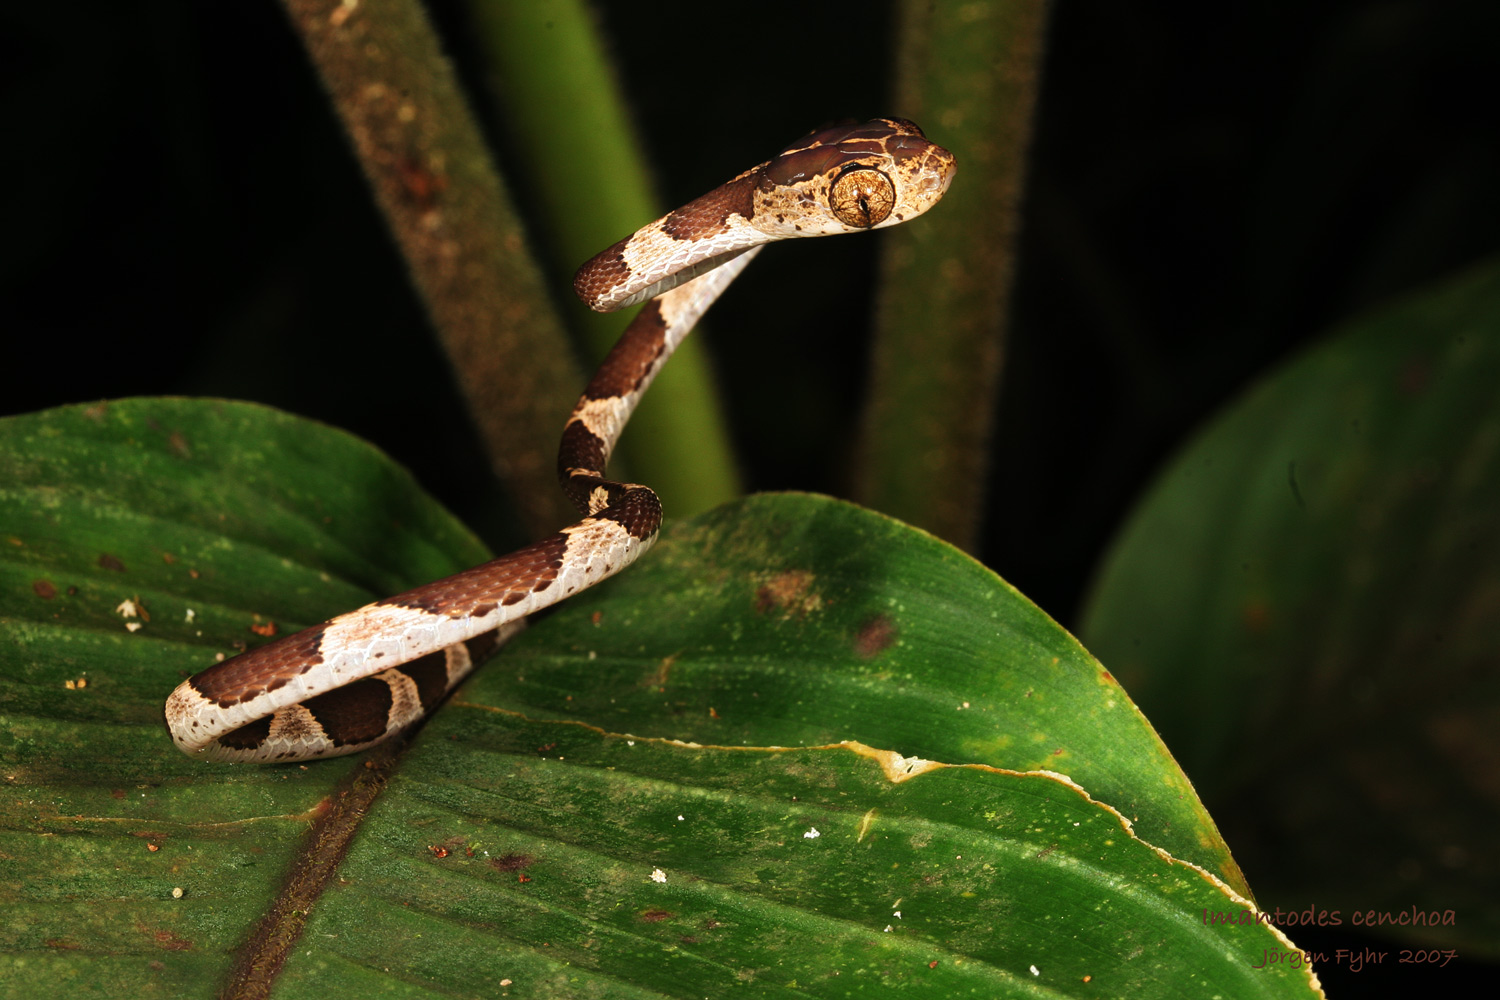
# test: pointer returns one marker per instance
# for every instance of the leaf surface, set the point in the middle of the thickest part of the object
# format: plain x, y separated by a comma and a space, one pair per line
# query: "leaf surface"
602, 811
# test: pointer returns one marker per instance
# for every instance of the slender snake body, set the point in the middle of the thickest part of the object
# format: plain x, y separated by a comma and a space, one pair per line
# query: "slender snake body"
355, 680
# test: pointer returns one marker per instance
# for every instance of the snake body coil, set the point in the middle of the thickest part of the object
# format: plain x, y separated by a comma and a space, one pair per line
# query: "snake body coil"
353, 681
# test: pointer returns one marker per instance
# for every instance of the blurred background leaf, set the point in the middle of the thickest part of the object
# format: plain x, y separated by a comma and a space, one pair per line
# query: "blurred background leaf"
1313, 588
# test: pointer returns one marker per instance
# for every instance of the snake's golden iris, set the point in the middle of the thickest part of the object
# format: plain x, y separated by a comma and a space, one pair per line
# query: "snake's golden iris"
862, 197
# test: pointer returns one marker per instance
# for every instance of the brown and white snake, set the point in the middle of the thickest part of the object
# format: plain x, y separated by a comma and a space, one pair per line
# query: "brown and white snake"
351, 682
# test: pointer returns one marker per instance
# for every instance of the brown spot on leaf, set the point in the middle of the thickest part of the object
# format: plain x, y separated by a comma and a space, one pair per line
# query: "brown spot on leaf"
875, 637
168, 941
268, 629
44, 589
790, 594
108, 561
655, 916
512, 862
1256, 617
658, 678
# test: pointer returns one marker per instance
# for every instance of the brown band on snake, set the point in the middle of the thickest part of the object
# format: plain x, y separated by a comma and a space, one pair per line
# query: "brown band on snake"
358, 678
638, 511
272, 666
430, 674
249, 736
628, 364
355, 713
582, 451
710, 214
607, 270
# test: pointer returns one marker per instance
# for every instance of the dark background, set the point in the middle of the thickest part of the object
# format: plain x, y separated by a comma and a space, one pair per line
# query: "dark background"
1211, 187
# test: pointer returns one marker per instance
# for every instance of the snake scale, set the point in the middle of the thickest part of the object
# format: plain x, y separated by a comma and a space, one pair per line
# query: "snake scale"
356, 679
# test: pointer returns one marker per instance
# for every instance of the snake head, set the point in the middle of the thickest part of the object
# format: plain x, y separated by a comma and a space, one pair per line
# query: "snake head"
848, 178
843, 179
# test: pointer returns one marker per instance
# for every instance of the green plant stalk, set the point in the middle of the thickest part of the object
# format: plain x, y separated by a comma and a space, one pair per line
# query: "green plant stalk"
968, 73
556, 88
452, 218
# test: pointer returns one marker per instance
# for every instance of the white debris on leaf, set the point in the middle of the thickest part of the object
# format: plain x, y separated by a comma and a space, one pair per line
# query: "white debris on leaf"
133, 626
887, 928
657, 875
1034, 971
812, 834
190, 615
127, 609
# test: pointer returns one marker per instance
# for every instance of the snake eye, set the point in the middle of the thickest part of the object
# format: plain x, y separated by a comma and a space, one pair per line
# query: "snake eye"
862, 197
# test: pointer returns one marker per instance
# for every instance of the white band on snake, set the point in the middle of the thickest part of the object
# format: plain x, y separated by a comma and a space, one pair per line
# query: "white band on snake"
355, 680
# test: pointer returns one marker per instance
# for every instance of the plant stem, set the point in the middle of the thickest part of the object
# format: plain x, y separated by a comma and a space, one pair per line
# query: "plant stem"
452, 217
578, 152
968, 73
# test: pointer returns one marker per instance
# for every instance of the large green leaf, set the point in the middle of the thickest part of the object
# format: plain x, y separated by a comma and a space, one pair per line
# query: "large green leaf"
794, 620
600, 812
1307, 604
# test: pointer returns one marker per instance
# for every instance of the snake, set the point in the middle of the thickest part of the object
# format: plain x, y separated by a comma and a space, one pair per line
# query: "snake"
361, 677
